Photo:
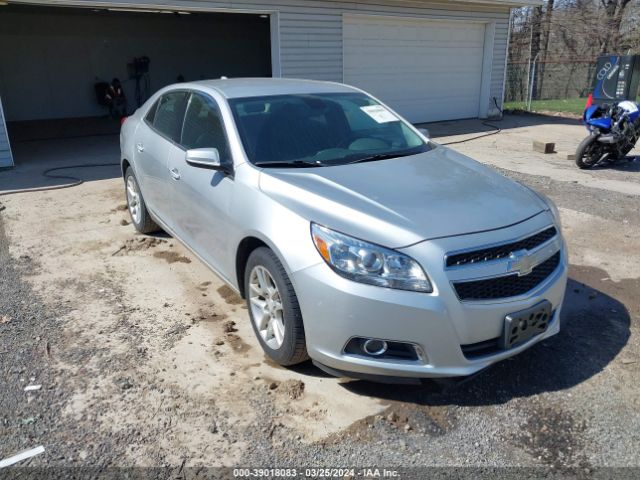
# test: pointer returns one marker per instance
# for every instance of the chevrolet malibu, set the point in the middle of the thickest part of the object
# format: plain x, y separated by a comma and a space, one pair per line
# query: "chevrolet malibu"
355, 239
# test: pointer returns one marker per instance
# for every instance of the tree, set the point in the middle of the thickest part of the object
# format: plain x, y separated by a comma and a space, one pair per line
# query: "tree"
614, 10
547, 33
567, 36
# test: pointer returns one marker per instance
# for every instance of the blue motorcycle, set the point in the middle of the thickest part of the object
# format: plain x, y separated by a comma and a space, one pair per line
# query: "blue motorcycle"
613, 132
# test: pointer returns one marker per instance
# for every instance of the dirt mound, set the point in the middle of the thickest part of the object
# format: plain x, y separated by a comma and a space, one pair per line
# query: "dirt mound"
229, 295
229, 327
171, 257
294, 389
137, 244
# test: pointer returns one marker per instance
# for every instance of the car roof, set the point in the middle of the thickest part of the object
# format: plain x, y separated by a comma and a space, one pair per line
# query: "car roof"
259, 87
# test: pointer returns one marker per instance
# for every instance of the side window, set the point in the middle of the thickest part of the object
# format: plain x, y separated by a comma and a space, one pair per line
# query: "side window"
151, 114
203, 127
170, 113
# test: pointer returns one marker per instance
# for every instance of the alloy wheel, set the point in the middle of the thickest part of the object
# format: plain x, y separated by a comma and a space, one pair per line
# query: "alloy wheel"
133, 199
266, 307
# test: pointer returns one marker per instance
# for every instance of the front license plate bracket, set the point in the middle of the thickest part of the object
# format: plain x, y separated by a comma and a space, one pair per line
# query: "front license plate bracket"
525, 324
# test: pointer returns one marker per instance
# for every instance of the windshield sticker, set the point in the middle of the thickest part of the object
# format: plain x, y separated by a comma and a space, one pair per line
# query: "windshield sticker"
379, 113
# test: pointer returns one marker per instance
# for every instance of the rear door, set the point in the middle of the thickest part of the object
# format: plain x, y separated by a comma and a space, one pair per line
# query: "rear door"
157, 135
202, 197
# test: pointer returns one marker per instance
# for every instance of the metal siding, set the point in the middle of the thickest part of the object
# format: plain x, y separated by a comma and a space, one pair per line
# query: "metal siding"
6, 159
304, 26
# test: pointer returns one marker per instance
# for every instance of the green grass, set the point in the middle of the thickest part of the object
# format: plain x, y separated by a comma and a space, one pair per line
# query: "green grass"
571, 105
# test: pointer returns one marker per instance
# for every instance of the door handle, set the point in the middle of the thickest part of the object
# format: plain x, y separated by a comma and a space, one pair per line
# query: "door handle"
140, 147
175, 173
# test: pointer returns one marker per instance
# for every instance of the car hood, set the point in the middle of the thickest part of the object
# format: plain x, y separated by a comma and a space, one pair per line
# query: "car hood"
406, 200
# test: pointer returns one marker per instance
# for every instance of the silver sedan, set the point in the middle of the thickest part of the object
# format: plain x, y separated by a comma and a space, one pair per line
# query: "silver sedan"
354, 239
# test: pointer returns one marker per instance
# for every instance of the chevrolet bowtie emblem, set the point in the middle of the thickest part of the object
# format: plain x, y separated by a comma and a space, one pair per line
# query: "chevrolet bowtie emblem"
520, 262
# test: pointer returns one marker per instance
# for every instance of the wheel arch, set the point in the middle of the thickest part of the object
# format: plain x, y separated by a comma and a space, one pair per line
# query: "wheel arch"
245, 247
124, 165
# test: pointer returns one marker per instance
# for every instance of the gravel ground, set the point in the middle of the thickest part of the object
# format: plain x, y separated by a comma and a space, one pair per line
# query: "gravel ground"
149, 368
603, 203
31, 342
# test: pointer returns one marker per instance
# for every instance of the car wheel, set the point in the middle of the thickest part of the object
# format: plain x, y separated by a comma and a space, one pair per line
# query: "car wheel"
137, 208
273, 308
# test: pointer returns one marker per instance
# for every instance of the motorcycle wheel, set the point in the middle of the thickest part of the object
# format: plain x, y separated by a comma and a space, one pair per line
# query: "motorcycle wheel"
589, 152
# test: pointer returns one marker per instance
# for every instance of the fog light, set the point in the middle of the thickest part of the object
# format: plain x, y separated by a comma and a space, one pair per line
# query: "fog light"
374, 347
384, 349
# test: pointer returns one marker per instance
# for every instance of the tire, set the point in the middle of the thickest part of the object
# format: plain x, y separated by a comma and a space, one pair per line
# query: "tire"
140, 217
292, 344
585, 157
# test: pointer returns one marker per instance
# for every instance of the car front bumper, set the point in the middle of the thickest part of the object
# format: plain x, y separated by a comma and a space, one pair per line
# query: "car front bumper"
335, 310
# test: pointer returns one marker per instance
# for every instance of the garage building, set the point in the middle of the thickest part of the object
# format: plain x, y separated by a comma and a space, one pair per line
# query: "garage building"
428, 60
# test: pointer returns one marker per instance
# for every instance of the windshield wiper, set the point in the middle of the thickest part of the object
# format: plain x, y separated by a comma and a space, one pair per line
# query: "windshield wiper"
290, 164
379, 156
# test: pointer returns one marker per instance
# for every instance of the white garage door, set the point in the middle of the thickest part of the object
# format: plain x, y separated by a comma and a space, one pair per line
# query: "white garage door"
427, 70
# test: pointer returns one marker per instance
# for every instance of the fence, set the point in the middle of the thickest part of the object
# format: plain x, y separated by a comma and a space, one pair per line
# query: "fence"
548, 81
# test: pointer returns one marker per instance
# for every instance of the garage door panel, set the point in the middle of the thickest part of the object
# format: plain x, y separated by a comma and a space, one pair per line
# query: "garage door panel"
403, 28
425, 69
437, 84
438, 67
416, 96
436, 110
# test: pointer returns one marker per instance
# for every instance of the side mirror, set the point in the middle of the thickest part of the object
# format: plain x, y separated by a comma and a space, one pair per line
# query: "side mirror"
206, 158
425, 132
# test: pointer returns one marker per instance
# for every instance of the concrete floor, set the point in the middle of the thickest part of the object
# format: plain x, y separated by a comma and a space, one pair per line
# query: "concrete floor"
33, 158
511, 149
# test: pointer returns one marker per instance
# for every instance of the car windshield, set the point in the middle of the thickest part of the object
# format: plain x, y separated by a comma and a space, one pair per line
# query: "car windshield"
321, 130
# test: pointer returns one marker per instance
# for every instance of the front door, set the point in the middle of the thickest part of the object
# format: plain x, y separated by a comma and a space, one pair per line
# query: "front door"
201, 196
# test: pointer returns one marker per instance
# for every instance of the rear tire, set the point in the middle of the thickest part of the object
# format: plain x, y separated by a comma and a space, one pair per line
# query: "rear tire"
140, 217
273, 307
588, 153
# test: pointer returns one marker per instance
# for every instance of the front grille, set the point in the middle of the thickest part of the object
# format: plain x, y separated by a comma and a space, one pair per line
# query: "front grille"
501, 251
508, 285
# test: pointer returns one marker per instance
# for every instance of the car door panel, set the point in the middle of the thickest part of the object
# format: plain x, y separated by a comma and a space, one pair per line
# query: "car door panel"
159, 133
201, 197
152, 153
201, 203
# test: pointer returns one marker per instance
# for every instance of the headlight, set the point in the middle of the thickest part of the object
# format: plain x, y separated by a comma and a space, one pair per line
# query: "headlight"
365, 262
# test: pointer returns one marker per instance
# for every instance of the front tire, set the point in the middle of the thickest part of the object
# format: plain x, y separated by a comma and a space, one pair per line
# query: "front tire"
137, 207
589, 152
273, 307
